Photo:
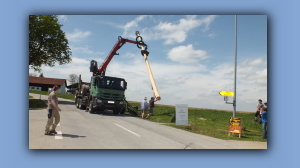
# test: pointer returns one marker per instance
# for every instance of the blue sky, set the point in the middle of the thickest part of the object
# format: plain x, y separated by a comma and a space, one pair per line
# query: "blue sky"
191, 56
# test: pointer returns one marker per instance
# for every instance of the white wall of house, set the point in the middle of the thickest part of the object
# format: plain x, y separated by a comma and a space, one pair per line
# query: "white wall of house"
62, 88
35, 88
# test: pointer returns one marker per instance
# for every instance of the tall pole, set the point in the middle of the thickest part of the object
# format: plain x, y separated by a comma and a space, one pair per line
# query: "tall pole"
234, 96
157, 96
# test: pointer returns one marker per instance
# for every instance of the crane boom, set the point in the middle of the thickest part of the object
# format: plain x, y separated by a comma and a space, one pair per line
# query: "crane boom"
121, 41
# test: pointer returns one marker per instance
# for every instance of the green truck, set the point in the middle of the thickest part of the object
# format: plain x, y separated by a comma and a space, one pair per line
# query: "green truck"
103, 92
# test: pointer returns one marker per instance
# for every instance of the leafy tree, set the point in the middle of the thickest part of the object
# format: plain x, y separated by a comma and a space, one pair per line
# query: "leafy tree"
73, 78
47, 42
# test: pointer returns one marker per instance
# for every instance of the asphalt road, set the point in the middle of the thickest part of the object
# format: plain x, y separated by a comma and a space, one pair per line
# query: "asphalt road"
81, 130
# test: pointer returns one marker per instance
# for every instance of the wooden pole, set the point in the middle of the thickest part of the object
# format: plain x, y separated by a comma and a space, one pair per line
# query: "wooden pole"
157, 96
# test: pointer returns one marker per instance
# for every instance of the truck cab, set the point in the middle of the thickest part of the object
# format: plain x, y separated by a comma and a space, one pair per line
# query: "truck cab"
107, 93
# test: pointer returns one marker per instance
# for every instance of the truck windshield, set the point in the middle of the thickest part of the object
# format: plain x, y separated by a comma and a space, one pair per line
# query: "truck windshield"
111, 83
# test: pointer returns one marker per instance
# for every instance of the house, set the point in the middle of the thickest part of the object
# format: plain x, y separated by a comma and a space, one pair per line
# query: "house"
43, 83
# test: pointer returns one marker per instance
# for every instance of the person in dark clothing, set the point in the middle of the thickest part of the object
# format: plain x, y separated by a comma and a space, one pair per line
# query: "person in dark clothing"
257, 113
151, 107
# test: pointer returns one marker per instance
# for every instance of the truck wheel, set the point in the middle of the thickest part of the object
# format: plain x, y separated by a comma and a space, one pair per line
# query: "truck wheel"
91, 109
122, 111
80, 105
86, 106
116, 111
76, 100
77, 104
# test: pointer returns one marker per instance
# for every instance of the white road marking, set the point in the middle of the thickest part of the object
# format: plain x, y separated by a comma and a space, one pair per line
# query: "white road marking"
58, 135
127, 130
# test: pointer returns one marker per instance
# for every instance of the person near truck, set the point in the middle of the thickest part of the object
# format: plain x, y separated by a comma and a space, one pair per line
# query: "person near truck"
151, 107
257, 113
263, 113
144, 106
53, 112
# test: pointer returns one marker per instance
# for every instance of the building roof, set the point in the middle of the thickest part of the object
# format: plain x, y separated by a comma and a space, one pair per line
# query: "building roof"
49, 81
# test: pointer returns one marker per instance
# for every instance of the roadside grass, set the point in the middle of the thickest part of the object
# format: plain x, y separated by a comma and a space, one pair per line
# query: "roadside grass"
60, 95
30, 97
36, 104
214, 123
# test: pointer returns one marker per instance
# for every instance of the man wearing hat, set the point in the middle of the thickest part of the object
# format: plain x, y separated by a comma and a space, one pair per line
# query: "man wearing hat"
258, 107
144, 106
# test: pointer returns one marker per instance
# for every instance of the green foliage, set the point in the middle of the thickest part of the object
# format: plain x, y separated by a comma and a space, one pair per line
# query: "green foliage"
36, 104
47, 42
60, 95
38, 92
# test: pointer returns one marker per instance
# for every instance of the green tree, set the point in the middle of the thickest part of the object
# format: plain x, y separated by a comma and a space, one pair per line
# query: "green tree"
47, 42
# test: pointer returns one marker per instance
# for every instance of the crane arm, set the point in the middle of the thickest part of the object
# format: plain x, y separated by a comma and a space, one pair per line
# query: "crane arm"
140, 44
121, 41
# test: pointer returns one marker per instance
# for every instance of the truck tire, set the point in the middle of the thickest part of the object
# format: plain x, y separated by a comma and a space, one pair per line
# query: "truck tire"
86, 106
122, 111
91, 109
77, 104
76, 94
80, 104
116, 111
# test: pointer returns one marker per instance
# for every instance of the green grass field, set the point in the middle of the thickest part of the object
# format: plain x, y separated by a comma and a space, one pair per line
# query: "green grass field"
216, 123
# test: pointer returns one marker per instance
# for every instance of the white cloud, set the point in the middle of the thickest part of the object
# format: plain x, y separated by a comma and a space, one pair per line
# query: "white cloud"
213, 35
257, 62
86, 50
186, 54
129, 55
170, 32
177, 32
132, 24
77, 35
79, 61
63, 18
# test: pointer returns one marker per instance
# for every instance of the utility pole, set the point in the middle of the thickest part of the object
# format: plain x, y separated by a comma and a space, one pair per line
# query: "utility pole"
234, 96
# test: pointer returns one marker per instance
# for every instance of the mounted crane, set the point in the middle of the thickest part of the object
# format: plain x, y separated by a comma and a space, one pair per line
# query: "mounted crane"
105, 92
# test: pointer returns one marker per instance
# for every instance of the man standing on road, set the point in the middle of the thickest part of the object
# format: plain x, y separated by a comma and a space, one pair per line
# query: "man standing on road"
151, 107
53, 111
144, 106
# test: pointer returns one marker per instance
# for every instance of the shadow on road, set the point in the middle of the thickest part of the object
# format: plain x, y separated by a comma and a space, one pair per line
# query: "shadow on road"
110, 113
72, 136
66, 103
